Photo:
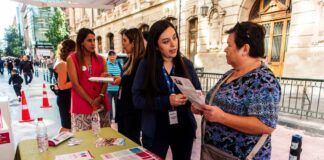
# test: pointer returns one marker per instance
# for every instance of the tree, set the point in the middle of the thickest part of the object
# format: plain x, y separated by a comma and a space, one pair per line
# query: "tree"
14, 42
58, 30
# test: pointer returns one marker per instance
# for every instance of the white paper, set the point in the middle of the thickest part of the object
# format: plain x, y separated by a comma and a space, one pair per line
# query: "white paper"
101, 79
60, 138
83, 155
187, 88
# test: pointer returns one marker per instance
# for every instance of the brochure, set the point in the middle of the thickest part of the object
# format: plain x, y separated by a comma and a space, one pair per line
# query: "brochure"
137, 153
83, 155
101, 142
187, 88
61, 137
101, 79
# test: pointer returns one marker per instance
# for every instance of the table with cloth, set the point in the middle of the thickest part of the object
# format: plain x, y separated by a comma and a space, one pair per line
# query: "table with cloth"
27, 149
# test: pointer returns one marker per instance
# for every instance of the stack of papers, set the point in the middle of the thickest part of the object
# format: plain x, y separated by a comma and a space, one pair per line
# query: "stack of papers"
61, 137
137, 153
101, 79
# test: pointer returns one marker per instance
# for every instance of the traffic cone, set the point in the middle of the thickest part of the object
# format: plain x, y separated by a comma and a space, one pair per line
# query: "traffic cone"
25, 116
45, 100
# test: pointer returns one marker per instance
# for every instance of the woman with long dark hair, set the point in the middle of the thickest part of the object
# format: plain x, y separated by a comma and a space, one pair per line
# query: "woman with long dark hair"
87, 96
166, 116
129, 118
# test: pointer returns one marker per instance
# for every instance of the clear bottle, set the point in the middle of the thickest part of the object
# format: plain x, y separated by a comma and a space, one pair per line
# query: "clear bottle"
95, 122
41, 135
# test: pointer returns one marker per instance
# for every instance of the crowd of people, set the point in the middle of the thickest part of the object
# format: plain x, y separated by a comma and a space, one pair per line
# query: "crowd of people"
150, 109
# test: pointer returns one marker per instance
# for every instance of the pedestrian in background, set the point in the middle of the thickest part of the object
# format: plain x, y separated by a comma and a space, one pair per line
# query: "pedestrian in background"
243, 104
10, 65
64, 84
128, 117
2, 63
167, 120
16, 81
26, 67
114, 70
87, 96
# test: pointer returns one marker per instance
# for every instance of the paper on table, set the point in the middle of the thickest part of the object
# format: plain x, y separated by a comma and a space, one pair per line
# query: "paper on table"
187, 88
101, 79
83, 155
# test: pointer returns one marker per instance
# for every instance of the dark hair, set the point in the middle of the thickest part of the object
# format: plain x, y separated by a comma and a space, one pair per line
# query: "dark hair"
111, 52
153, 57
146, 35
82, 35
14, 70
68, 46
134, 36
252, 34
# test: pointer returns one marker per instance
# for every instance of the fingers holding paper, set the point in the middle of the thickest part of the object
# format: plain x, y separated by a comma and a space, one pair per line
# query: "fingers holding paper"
177, 100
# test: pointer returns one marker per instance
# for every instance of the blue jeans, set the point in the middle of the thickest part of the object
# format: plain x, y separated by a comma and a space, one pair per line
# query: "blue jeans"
26, 75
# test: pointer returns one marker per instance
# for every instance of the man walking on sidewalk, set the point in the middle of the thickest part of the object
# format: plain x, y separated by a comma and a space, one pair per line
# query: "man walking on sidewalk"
26, 67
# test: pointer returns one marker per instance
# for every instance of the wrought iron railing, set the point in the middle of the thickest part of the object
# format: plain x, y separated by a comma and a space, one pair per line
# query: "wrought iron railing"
302, 97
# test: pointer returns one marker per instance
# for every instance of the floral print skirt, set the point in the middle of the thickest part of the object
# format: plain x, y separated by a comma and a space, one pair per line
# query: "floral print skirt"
81, 122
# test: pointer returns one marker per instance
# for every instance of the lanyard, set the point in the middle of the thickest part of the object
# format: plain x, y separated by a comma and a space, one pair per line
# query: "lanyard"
167, 79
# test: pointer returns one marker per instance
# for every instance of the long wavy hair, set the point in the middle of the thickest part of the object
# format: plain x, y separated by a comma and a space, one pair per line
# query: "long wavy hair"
135, 36
82, 35
153, 56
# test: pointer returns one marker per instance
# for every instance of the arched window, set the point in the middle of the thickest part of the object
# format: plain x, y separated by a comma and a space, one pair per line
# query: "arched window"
192, 40
99, 40
144, 27
274, 16
110, 41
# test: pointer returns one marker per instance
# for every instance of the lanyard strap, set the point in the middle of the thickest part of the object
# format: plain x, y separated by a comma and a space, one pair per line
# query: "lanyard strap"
167, 79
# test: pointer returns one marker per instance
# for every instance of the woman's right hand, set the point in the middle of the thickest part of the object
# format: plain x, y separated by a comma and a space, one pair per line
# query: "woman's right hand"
116, 81
177, 100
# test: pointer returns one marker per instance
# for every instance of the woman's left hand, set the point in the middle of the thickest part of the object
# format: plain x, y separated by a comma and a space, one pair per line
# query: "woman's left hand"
213, 114
97, 101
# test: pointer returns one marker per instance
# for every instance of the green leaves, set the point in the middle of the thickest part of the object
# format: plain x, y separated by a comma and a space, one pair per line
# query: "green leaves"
58, 30
14, 42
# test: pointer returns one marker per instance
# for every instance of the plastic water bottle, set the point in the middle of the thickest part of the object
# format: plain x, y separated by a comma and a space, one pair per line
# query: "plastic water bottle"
42, 139
95, 122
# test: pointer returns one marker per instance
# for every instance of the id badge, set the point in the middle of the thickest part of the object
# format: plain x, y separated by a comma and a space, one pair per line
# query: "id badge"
173, 117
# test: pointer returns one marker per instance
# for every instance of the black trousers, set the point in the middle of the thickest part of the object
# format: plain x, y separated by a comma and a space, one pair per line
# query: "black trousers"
26, 75
130, 126
180, 142
17, 89
64, 103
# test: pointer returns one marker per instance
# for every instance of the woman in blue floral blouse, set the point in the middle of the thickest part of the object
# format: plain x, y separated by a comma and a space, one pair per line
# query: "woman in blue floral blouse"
246, 104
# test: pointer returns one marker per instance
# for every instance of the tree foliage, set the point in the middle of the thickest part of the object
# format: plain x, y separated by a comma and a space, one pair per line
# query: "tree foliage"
14, 42
58, 30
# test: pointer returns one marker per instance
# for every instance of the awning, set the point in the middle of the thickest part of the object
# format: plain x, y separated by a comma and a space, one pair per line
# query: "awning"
104, 4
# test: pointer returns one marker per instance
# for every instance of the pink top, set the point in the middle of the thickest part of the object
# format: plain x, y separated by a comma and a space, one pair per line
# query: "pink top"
78, 104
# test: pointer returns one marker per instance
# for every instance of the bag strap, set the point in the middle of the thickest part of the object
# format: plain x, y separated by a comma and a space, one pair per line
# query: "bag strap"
203, 121
259, 144
257, 147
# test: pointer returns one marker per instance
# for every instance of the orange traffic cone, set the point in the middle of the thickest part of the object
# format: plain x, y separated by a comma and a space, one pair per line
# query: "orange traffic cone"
25, 116
45, 100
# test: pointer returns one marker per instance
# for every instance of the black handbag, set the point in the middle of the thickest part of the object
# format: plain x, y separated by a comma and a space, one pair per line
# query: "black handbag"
55, 89
210, 152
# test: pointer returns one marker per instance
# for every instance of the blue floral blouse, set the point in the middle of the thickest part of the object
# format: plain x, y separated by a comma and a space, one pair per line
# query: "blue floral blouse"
256, 93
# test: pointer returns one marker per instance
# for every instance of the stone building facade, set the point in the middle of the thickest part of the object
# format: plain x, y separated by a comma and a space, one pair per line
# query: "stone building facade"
294, 32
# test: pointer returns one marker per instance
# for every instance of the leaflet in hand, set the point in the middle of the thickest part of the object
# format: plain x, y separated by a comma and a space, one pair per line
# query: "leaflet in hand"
61, 137
83, 155
101, 79
187, 88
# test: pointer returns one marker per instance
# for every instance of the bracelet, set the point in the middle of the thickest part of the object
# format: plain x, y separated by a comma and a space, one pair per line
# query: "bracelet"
101, 95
